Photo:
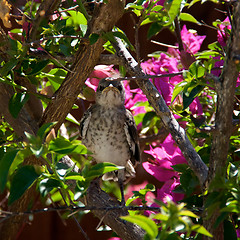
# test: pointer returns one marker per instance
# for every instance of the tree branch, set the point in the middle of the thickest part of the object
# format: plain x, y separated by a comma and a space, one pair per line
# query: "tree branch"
156, 100
85, 60
225, 100
125, 230
223, 121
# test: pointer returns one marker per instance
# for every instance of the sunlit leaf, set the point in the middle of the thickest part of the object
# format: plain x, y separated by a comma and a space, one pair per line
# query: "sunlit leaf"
188, 17
61, 145
145, 223
74, 176
47, 185
200, 229
100, 169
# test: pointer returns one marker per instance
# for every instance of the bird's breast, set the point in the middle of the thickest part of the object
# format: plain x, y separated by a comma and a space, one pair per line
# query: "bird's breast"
106, 137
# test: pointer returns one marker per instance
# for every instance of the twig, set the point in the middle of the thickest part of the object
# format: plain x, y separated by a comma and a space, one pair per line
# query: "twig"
69, 9
52, 57
75, 209
52, 37
207, 25
178, 35
148, 76
164, 44
76, 221
160, 136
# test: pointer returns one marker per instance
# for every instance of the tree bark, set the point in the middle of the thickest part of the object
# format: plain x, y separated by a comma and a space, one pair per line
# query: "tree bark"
85, 60
223, 121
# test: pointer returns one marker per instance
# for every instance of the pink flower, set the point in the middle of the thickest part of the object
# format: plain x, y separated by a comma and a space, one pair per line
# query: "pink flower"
134, 96
192, 41
223, 32
165, 156
164, 64
238, 232
195, 107
149, 196
99, 72
160, 2
166, 194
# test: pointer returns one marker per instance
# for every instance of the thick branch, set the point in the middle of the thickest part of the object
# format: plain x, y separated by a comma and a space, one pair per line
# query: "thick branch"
225, 99
223, 121
125, 230
86, 58
162, 110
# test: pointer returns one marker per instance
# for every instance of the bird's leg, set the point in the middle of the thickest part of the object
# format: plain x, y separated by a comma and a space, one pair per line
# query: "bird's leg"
120, 182
121, 176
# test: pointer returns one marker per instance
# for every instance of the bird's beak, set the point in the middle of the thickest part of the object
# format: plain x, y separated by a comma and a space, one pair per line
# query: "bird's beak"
111, 88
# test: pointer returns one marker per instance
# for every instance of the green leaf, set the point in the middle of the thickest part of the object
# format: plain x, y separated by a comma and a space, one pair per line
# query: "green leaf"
154, 28
39, 66
197, 70
188, 213
188, 17
145, 223
61, 145
8, 66
187, 100
72, 119
16, 103
229, 231
44, 129
47, 185
173, 7
180, 167
22, 180
100, 169
56, 77
200, 229
162, 217
80, 148
148, 118
5, 163
93, 38
74, 176
76, 19
178, 89
65, 49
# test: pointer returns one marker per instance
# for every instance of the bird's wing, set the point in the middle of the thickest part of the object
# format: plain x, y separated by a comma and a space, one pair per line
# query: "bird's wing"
132, 137
84, 123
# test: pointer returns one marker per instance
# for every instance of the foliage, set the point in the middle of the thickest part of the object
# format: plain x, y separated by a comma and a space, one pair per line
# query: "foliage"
190, 93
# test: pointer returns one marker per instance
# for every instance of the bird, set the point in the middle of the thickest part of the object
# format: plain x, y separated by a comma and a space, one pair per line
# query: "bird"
109, 131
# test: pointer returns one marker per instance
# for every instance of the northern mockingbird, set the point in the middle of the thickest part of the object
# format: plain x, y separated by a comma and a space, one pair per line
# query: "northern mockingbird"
109, 131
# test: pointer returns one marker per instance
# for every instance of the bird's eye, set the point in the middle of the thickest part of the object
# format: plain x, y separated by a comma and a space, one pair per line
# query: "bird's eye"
101, 88
119, 87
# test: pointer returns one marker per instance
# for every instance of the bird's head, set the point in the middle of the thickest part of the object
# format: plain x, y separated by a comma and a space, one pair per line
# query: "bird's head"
110, 92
